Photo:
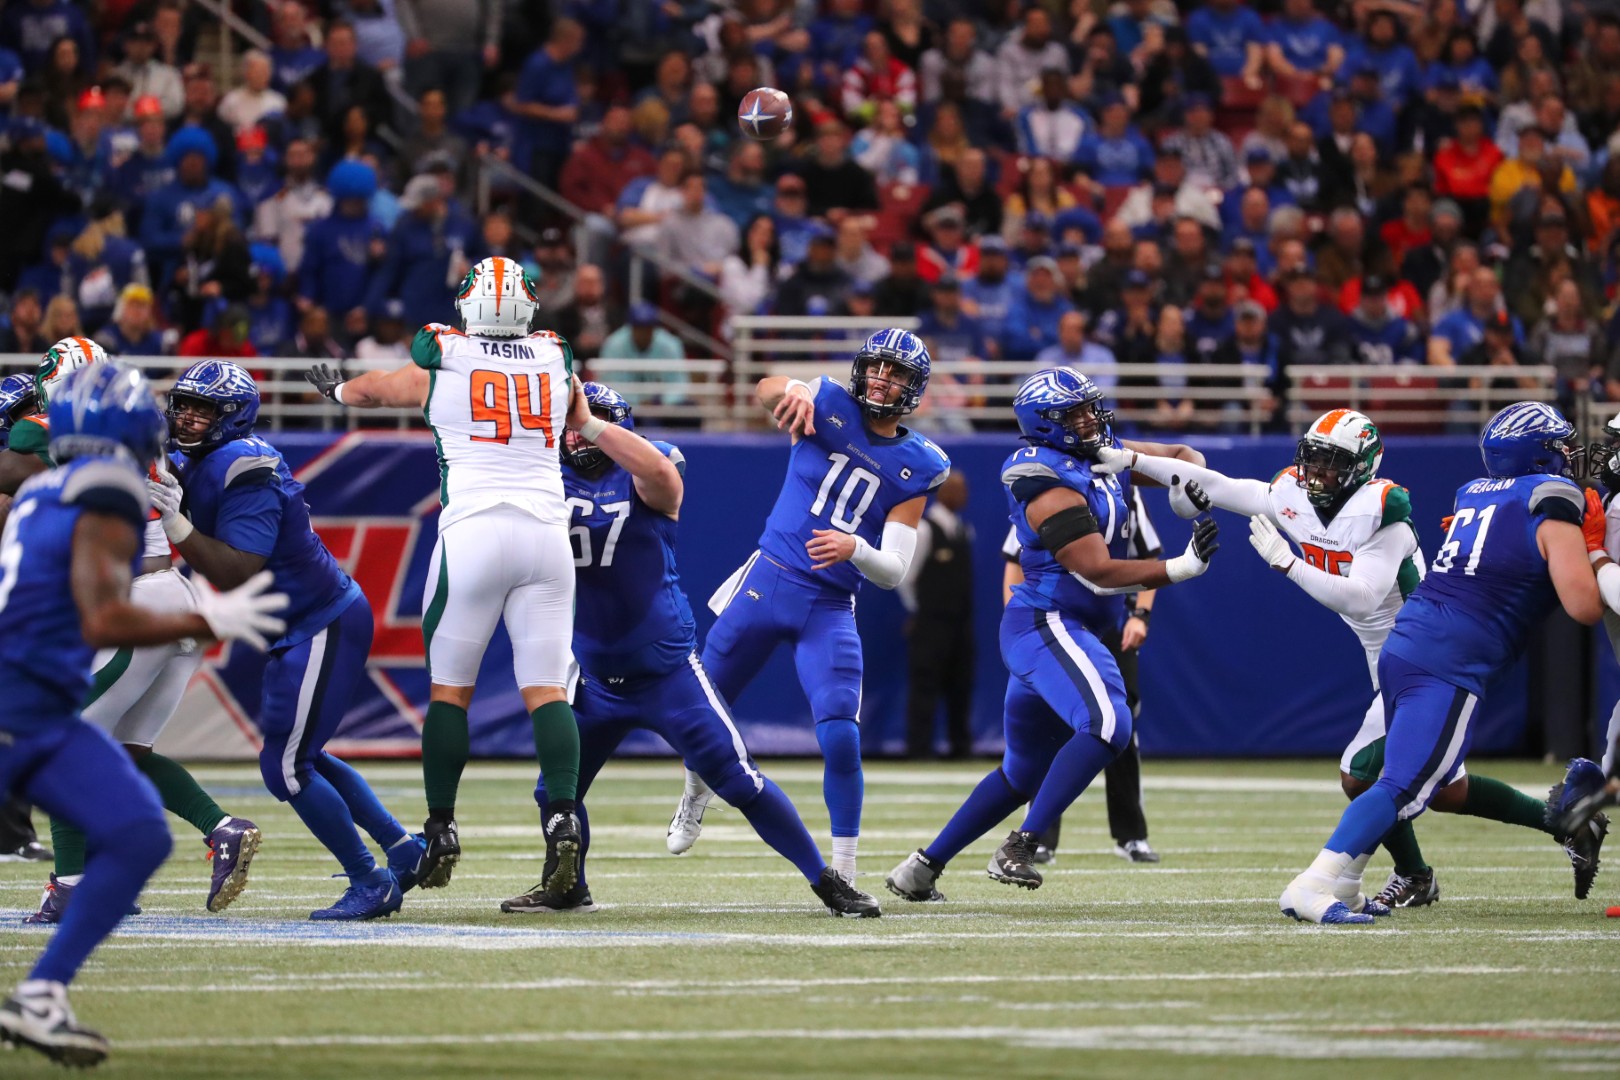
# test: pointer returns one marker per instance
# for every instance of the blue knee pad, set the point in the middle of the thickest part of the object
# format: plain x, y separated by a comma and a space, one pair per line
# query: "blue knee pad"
840, 742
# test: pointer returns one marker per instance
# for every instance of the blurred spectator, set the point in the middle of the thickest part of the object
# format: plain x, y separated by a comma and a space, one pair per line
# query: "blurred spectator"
432, 247
1381, 335
938, 596
884, 150
449, 44
1189, 261
671, 85
643, 339
1534, 271
1400, 76
819, 276
1300, 171
553, 271
835, 39
1169, 174
1071, 349
133, 330
386, 346
23, 333
1464, 327
1175, 70
908, 31
1272, 121
171, 210
856, 256
103, 262
1308, 331
345, 81
1037, 307
214, 263
1425, 260
1498, 347
834, 183
61, 319
314, 340
1252, 343
1525, 172
254, 100
960, 55
1130, 331
258, 168
1206, 153
270, 317
201, 101
951, 334
988, 295
949, 250
1545, 111
1039, 192
1026, 53
1209, 319
741, 192
283, 218
1231, 35
948, 140
1303, 44
546, 100
499, 236
694, 235
342, 248
966, 185
1570, 340
379, 36
1464, 166
293, 54
1103, 71
647, 200
51, 276
1116, 155
747, 277
61, 81
32, 29
876, 77
1054, 125
590, 317
176, 40
149, 75
30, 199
1347, 252
147, 167
1243, 271
224, 333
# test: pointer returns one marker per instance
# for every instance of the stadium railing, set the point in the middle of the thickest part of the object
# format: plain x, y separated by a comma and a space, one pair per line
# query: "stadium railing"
1414, 397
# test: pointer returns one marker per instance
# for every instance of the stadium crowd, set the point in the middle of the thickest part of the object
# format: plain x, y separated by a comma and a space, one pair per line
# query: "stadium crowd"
1432, 182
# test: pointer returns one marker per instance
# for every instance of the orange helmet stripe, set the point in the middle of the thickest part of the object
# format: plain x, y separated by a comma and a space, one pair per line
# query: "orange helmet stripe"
1327, 423
89, 352
500, 281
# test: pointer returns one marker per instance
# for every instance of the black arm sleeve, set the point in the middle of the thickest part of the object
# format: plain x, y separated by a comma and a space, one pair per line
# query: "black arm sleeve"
1066, 526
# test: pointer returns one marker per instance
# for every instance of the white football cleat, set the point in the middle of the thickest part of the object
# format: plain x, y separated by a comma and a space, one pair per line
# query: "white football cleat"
38, 1015
686, 825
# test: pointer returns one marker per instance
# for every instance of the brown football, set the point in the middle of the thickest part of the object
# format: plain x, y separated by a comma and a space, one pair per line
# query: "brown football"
764, 113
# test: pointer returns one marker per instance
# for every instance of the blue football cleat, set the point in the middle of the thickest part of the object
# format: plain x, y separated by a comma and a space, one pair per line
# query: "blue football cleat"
1375, 909
406, 859
231, 847
54, 903
375, 896
1572, 814
1339, 915
1311, 905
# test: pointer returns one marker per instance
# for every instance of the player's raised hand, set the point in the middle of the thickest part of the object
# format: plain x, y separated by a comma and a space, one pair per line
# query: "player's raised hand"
579, 407
1195, 496
1181, 501
165, 494
326, 379
1270, 544
1205, 540
1595, 524
829, 547
1111, 460
796, 411
245, 613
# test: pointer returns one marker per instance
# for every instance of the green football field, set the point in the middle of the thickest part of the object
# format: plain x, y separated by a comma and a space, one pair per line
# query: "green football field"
722, 963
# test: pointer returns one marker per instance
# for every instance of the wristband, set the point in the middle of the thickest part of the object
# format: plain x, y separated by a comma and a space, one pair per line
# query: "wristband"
1184, 567
800, 383
337, 393
1145, 614
178, 528
1594, 556
592, 429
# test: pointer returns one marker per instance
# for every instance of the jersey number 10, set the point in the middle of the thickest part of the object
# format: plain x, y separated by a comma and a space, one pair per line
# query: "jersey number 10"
493, 394
842, 517
1460, 523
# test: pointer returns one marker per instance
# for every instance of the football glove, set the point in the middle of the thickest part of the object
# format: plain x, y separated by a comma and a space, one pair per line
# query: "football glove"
326, 379
245, 613
1595, 524
1270, 544
1200, 550
1110, 460
165, 494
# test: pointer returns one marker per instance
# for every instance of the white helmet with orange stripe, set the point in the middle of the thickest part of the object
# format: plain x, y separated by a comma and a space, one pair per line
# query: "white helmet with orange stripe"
1338, 453
62, 359
497, 299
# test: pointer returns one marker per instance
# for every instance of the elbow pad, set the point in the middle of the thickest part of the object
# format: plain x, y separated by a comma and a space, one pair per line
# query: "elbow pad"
886, 567
1066, 526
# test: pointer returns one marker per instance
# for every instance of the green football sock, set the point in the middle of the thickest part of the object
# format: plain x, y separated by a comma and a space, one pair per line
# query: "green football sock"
556, 744
67, 843
1401, 843
1493, 799
445, 744
181, 794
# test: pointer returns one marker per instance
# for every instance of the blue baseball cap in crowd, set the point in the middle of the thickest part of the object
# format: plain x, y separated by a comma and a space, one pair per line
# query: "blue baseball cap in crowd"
643, 314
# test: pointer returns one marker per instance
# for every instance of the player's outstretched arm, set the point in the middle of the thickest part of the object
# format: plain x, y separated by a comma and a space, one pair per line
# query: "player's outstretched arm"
403, 388
104, 546
1570, 565
1246, 497
1373, 572
1067, 528
884, 567
658, 480
791, 401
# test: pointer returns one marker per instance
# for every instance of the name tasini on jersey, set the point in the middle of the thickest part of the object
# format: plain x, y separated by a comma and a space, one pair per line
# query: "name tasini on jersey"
507, 350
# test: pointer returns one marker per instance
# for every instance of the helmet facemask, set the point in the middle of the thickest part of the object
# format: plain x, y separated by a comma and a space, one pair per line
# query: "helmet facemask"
899, 381
183, 411
1328, 474
582, 455
1091, 425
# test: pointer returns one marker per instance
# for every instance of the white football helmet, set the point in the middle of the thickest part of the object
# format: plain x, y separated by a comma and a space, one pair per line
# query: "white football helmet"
66, 356
497, 299
1343, 446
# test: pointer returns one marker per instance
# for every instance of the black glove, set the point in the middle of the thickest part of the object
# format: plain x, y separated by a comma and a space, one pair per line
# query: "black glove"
1206, 535
326, 379
1196, 496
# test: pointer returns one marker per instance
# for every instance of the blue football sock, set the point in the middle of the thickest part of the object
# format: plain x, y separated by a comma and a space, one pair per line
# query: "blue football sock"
990, 802
842, 784
1073, 769
1364, 823
113, 876
368, 811
327, 816
773, 816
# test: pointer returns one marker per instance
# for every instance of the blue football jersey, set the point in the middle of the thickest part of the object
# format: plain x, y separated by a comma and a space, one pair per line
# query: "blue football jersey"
243, 494
1047, 586
631, 617
1488, 585
44, 660
844, 477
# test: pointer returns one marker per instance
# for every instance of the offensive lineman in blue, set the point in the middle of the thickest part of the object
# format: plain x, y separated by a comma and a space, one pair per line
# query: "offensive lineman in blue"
856, 487
1513, 551
1065, 713
636, 644
75, 531
236, 510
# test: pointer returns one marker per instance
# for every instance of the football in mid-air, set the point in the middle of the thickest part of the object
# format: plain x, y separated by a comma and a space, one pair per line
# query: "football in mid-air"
764, 113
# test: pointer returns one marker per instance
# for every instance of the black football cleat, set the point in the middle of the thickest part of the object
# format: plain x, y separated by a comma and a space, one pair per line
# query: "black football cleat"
443, 853
542, 901
843, 899
1416, 890
1014, 861
563, 845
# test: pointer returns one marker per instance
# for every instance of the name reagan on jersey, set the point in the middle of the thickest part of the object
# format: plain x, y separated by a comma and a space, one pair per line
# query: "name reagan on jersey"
507, 350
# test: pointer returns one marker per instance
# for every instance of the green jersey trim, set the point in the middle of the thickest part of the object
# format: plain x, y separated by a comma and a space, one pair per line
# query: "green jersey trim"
425, 351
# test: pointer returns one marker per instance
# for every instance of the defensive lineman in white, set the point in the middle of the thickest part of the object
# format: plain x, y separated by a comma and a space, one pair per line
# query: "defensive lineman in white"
496, 394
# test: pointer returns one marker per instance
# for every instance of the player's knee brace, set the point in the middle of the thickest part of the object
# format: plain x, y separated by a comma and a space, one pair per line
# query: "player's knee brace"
840, 742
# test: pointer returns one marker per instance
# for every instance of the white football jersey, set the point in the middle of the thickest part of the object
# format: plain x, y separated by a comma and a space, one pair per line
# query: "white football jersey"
1332, 546
497, 408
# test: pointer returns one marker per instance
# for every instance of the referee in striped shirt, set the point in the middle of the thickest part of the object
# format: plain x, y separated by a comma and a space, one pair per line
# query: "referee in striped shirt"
1126, 821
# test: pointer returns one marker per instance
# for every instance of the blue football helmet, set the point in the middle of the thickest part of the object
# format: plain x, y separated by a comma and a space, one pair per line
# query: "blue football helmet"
106, 410
607, 404
1047, 407
1530, 437
898, 349
17, 399
229, 389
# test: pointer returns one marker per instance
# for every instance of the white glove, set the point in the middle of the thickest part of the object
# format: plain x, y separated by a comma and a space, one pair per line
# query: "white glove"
1270, 544
1201, 549
1111, 460
165, 494
245, 613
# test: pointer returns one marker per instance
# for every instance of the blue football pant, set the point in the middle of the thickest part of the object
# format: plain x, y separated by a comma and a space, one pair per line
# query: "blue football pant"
77, 774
